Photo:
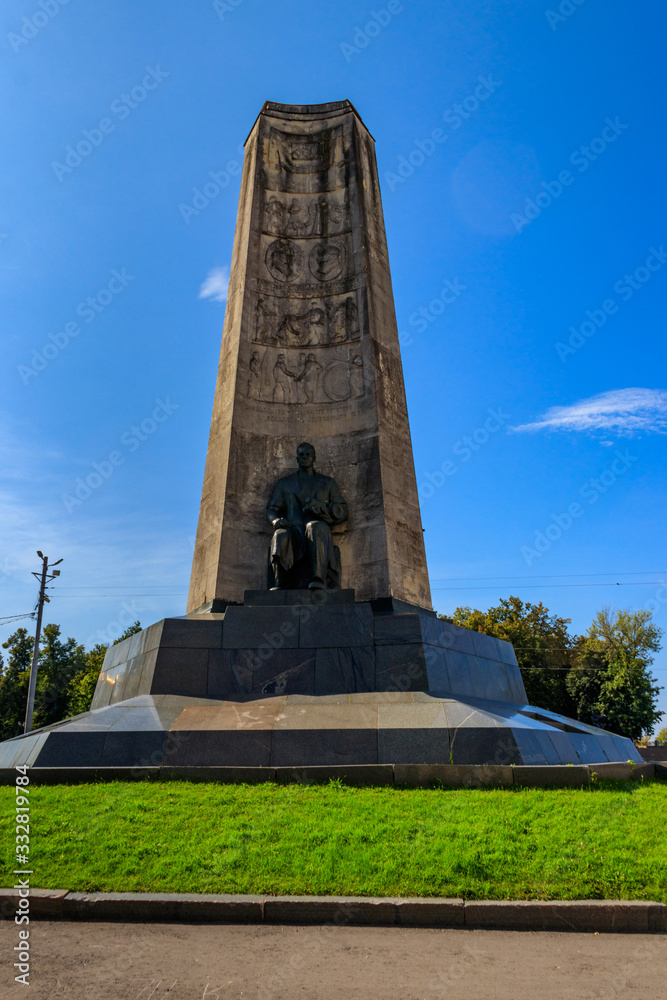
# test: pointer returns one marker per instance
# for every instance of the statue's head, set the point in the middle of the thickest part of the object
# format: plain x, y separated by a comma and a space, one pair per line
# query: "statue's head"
305, 455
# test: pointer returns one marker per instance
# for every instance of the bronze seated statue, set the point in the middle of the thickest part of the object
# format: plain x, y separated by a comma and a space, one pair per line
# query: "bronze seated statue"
302, 510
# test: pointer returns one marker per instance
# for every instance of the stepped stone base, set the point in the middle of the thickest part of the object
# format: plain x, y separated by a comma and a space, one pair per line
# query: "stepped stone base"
296, 679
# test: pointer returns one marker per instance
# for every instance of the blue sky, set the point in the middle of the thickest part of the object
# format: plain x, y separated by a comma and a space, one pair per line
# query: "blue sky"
527, 241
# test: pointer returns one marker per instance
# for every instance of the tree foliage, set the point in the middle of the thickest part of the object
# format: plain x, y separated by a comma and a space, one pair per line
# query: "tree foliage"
612, 681
601, 678
14, 683
66, 678
542, 643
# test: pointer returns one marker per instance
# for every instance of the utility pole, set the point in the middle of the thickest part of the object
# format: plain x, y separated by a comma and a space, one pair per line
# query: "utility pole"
42, 577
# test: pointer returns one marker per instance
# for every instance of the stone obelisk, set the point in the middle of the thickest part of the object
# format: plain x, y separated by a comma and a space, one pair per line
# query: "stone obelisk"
310, 351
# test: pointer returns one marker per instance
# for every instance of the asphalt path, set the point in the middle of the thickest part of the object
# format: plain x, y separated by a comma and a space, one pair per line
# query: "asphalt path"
100, 961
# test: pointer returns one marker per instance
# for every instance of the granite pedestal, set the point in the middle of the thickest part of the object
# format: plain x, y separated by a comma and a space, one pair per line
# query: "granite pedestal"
306, 678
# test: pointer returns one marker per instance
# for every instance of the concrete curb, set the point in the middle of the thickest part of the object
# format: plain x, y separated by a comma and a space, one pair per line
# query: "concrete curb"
413, 775
602, 916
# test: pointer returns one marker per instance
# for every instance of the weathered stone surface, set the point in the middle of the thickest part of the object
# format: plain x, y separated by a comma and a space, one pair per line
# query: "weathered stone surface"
430, 912
335, 910
230, 672
347, 670
310, 351
563, 915
336, 627
560, 777
286, 671
45, 904
241, 748
353, 774
141, 748
288, 598
304, 747
454, 775
226, 775
79, 749
400, 668
180, 671
261, 628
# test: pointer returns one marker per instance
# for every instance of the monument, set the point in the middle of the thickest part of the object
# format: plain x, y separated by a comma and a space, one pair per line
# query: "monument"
309, 636
310, 352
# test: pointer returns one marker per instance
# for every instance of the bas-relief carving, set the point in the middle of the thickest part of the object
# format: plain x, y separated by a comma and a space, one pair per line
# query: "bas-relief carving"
295, 152
323, 322
285, 260
326, 260
307, 163
305, 217
277, 376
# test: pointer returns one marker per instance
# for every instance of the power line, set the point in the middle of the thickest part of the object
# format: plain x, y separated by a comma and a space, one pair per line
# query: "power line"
10, 619
630, 583
183, 594
552, 576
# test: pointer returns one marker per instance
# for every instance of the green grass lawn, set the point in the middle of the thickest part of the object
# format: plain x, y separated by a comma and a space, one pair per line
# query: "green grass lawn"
606, 841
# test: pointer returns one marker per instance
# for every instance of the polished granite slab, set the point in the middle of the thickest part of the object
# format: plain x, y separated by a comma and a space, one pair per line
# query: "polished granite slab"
373, 727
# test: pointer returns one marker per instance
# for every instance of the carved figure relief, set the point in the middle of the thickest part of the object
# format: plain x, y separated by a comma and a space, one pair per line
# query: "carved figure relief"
326, 260
284, 260
283, 379
320, 216
302, 149
334, 320
288, 377
302, 329
254, 382
343, 322
344, 379
290, 155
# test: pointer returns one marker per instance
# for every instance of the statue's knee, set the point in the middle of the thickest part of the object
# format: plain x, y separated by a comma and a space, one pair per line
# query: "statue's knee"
314, 529
280, 539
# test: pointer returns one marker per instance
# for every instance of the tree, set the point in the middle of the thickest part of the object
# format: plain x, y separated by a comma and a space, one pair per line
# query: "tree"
58, 663
612, 680
543, 646
81, 688
66, 678
14, 683
661, 738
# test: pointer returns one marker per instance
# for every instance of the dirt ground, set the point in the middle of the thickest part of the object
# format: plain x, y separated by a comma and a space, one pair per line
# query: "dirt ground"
99, 961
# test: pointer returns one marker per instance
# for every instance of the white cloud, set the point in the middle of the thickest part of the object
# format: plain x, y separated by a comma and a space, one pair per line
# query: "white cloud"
216, 285
625, 412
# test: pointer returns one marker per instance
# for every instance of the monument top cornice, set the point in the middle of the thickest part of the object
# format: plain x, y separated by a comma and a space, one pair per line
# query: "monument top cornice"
307, 112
